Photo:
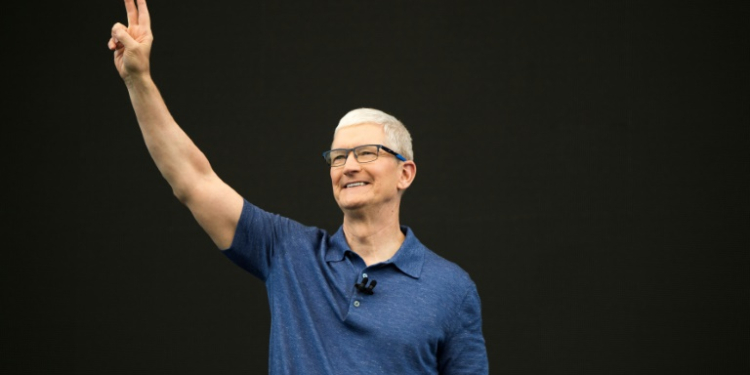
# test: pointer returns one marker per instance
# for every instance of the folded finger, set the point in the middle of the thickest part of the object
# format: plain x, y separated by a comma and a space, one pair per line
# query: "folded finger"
121, 36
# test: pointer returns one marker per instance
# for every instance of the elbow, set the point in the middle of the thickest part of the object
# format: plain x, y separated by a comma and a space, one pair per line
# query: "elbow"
182, 195
198, 187
180, 187
184, 190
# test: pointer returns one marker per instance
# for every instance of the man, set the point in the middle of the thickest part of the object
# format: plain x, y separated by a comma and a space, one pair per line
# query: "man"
369, 299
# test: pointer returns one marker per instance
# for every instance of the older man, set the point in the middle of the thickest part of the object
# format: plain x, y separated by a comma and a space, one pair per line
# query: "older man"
369, 299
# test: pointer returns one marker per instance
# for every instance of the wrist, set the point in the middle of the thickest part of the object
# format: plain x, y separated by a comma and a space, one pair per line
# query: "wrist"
137, 81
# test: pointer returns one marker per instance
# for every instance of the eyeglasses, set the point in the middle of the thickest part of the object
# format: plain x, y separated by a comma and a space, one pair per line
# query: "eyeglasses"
363, 154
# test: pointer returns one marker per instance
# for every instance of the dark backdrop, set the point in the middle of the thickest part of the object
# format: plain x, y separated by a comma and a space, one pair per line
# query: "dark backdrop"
586, 162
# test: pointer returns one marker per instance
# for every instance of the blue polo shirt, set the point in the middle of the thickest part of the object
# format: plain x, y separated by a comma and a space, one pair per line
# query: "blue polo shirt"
423, 317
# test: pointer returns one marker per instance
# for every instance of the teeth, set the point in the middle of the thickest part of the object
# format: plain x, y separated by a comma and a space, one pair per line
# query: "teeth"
355, 184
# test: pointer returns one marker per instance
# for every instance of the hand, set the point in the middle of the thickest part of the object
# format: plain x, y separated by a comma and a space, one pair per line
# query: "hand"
132, 44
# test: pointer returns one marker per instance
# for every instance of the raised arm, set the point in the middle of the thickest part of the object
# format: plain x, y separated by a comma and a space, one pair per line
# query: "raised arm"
215, 205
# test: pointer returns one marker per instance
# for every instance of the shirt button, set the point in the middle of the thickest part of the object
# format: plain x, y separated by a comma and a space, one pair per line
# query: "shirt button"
364, 275
356, 303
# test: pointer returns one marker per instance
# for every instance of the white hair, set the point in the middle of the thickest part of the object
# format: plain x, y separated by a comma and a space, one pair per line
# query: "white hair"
396, 135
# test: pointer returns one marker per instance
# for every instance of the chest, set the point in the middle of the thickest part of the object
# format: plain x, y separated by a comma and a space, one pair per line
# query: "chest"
403, 312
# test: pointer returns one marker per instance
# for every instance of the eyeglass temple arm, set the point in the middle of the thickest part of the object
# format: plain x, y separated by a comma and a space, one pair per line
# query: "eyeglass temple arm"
398, 156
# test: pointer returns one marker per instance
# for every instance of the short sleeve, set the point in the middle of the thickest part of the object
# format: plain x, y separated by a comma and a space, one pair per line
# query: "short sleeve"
257, 236
464, 351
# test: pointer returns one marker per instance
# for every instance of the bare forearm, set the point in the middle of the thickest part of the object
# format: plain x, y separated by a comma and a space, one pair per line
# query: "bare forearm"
179, 160
215, 205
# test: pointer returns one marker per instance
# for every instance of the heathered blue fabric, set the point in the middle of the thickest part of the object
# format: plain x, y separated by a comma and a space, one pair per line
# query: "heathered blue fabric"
423, 318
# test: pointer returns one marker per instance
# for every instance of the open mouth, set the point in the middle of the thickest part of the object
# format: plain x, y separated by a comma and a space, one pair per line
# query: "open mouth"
355, 184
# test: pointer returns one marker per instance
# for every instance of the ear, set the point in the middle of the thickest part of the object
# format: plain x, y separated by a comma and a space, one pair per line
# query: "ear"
408, 172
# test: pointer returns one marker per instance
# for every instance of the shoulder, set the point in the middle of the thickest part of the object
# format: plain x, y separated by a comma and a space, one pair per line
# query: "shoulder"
274, 224
435, 270
263, 238
260, 229
447, 272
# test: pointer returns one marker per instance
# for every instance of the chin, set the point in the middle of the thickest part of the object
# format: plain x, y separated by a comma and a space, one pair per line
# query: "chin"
348, 206
351, 201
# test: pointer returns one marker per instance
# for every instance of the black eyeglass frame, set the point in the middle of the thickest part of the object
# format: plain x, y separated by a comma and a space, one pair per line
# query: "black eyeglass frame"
326, 154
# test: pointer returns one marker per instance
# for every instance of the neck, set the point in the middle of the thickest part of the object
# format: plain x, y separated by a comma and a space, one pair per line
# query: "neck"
374, 236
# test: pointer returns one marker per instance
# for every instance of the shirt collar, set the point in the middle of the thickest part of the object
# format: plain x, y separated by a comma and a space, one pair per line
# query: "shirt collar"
409, 258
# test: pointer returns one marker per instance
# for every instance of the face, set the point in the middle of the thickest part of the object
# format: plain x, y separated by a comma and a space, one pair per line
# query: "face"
372, 184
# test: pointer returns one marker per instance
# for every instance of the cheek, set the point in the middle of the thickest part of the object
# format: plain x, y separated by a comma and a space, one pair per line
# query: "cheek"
334, 177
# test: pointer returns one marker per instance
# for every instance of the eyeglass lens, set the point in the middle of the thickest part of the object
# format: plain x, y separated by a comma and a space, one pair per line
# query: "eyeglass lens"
363, 154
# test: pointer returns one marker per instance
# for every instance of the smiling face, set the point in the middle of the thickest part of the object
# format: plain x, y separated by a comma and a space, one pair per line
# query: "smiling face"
374, 184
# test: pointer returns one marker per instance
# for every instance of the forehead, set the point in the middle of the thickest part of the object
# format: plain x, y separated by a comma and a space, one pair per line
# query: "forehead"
355, 135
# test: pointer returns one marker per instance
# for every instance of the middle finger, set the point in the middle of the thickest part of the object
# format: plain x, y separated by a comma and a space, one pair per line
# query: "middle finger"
132, 12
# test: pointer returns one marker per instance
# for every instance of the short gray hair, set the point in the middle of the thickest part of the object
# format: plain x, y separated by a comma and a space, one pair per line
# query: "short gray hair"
396, 135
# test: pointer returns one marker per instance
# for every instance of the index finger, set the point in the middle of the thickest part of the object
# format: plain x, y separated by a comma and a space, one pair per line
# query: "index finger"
132, 12
144, 18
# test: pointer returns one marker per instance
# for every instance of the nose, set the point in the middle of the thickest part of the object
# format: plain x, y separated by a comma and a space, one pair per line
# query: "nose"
351, 163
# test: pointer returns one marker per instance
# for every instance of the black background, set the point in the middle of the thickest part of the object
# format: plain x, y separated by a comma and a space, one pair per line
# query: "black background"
586, 162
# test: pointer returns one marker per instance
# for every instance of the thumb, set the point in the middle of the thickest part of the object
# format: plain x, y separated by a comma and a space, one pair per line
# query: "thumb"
120, 34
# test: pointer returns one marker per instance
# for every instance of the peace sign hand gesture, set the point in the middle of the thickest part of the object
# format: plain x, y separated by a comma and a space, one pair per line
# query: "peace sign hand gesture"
132, 44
